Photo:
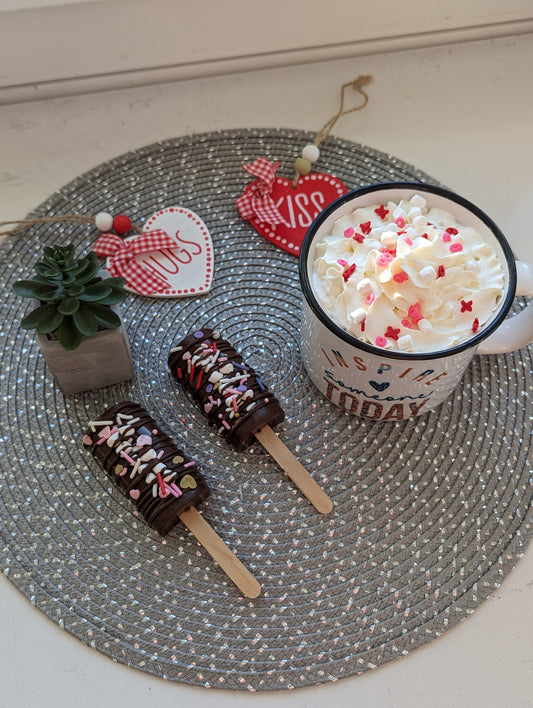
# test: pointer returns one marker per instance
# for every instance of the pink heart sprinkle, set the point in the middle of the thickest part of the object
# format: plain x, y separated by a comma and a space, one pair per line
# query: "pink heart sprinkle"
135, 493
186, 355
87, 440
349, 232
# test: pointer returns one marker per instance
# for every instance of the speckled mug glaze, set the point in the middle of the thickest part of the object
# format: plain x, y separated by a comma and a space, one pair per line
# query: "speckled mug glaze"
385, 385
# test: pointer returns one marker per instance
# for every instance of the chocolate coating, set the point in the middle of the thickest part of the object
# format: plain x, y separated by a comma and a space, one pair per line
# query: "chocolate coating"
228, 391
145, 464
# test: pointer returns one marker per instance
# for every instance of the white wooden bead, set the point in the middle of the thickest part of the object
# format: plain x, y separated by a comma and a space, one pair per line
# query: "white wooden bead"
311, 152
103, 221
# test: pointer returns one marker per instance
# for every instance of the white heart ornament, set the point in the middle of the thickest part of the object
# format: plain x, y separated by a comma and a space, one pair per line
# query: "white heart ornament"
188, 268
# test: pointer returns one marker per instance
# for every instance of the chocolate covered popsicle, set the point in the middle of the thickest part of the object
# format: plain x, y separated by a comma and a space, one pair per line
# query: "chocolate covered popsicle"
162, 481
230, 393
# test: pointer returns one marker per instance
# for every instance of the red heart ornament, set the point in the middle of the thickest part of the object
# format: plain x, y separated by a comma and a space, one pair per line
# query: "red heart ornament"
187, 268
299, 206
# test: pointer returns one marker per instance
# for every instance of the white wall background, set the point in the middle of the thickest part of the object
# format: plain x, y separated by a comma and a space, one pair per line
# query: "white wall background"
53, 48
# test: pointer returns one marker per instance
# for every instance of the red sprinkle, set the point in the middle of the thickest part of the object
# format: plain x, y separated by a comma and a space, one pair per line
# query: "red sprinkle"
466, 305
440, 271
363, 325
358, 237
199, 382
475, 325
452, 231
348, 271
366, 227
161, 484
392, 333
382, 211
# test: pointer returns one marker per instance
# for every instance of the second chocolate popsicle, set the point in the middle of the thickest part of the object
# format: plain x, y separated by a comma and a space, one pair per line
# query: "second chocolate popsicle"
233, 398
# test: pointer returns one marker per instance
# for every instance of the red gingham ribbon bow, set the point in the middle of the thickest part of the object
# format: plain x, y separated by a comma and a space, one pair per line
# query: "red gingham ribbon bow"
256, 199
122, 263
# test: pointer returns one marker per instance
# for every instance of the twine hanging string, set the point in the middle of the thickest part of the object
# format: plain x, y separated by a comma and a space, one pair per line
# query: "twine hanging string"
356, 85
72, 218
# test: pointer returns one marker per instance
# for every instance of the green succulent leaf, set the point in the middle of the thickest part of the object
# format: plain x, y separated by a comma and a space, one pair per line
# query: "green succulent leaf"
95, 291
38, 290
85, 321
44, 318
70, 265
48, 271
69, 335
113, 299
116, 283
74, 290
117, 291
105, 316
43, 280
68, 305
87, 271
51, 321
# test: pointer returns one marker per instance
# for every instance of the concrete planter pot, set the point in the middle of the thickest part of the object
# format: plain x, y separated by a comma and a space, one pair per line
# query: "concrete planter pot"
101, 360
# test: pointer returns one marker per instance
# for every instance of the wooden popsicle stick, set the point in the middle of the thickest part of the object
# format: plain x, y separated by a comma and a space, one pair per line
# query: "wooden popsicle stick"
218, 550
294, 469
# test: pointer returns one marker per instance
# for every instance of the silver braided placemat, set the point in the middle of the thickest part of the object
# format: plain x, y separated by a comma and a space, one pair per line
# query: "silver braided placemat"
430, 514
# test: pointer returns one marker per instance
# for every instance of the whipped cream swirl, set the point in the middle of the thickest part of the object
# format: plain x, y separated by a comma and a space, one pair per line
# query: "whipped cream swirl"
405, 277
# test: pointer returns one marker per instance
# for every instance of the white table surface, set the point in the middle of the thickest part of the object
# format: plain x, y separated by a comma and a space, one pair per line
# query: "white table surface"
461, 113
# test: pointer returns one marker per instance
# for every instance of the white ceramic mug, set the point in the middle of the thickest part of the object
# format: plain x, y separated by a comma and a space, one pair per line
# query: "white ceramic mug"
394, 385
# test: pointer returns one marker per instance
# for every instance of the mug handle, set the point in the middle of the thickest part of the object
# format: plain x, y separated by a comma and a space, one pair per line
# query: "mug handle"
514, 332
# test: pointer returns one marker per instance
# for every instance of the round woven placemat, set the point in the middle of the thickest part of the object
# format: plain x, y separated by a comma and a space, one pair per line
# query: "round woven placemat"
430, 514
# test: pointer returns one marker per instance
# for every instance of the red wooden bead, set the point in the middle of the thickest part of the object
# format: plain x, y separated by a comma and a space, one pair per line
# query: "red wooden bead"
121, 224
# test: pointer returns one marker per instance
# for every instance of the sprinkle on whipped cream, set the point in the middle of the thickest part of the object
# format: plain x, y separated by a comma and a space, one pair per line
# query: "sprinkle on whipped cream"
407, 277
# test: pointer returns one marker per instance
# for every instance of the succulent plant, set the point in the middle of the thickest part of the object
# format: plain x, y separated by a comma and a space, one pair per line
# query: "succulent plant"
75, 301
